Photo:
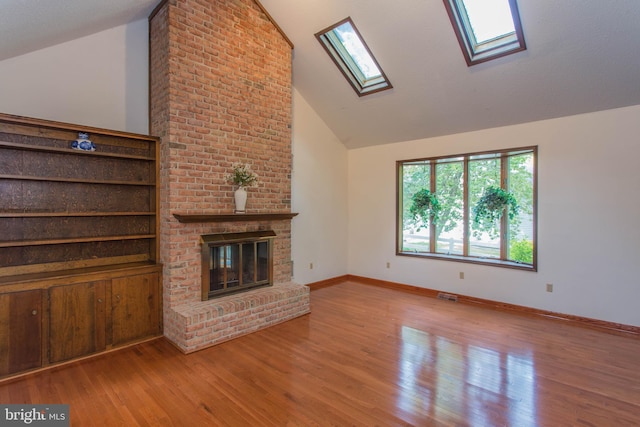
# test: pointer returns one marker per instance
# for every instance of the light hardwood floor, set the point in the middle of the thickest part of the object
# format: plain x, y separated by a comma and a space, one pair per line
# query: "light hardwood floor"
365, 356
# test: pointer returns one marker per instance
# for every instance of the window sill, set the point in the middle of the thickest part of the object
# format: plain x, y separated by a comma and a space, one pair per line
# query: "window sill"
471, 260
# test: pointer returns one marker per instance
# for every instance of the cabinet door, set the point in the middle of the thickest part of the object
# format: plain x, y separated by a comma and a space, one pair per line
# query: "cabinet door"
77, 317
20, 331
135, 307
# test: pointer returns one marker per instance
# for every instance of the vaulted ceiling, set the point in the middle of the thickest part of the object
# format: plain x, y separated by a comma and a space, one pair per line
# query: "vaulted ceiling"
582, 56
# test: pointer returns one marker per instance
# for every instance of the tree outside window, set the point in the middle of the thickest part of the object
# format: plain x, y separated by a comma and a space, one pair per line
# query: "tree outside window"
486, 207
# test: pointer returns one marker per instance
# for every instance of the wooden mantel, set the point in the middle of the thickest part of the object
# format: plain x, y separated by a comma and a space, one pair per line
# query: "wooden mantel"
247, 217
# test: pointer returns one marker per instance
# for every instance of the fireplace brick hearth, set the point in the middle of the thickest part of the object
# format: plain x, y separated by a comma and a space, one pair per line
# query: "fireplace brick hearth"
212, 322
220, 90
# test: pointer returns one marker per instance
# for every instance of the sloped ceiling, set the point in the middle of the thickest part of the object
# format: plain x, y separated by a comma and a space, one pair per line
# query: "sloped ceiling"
28, 25
582, 56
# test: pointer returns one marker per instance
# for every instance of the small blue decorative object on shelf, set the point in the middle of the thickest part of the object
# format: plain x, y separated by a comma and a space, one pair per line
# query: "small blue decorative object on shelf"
83, 143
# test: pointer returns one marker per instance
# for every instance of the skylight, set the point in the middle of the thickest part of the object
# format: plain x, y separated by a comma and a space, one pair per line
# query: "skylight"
349, 52
486, 29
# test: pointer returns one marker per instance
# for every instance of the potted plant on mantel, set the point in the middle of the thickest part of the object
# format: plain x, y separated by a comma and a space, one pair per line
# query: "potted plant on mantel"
490, 208
242, 176
425, 207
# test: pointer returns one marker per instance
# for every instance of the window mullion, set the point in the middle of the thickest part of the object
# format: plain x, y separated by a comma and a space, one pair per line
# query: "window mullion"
432, 225
465, 208
504, 221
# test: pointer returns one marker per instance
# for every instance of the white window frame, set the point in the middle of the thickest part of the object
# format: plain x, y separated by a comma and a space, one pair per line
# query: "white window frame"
476, 53
349, 65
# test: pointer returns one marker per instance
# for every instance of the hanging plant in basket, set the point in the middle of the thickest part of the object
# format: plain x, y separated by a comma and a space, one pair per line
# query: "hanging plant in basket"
490, 208
425, 207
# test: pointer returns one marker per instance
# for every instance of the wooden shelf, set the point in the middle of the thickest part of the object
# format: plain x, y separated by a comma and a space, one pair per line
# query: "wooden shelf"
72, 151
74, 180
45, 279
250, 217
70, 214
22, 243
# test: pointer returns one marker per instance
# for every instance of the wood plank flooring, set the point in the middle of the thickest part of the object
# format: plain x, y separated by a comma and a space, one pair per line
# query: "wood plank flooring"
365, 356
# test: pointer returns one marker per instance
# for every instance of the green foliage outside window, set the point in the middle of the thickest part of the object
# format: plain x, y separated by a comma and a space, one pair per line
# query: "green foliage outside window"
521, 251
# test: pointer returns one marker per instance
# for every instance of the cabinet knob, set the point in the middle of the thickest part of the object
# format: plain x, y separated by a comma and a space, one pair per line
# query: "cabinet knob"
34, 312
100, 300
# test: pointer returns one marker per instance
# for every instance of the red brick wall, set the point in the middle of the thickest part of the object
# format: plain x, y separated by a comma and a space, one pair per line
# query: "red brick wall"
220, 93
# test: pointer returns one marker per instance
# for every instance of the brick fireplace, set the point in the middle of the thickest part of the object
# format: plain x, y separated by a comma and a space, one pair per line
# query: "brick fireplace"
220, 83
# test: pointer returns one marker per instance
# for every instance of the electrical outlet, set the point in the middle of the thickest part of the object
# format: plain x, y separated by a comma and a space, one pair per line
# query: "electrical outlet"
549, 287
388, 265
310, 266
462, 274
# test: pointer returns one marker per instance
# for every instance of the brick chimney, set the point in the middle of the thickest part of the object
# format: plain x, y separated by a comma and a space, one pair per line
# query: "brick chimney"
220, 88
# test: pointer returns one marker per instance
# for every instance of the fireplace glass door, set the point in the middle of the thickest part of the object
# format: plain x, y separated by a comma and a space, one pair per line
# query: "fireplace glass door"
236, 266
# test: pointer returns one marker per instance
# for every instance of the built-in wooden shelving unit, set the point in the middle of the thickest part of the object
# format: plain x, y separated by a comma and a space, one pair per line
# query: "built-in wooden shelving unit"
78, 242
63, 208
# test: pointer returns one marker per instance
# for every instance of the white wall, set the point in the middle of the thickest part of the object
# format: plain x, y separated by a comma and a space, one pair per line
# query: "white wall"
588, 237
100, 80
319, 195
588, 247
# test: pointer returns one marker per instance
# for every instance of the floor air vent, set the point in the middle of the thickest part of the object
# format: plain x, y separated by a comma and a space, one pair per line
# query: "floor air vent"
447, 297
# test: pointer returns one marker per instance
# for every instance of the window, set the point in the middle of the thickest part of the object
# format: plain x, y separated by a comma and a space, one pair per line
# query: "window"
349, 52
478, 207
486, 29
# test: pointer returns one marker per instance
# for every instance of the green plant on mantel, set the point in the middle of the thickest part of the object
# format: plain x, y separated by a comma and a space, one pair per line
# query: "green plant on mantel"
425, 207
242, 175
490, 208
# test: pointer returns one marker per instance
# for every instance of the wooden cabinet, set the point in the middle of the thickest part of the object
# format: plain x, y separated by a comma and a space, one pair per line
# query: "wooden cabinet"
135, 307
78, 242
86, 318
77, 320
20, 331
73, 314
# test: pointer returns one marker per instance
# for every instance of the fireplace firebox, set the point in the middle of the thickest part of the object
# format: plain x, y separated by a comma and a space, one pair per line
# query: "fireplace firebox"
236, 262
